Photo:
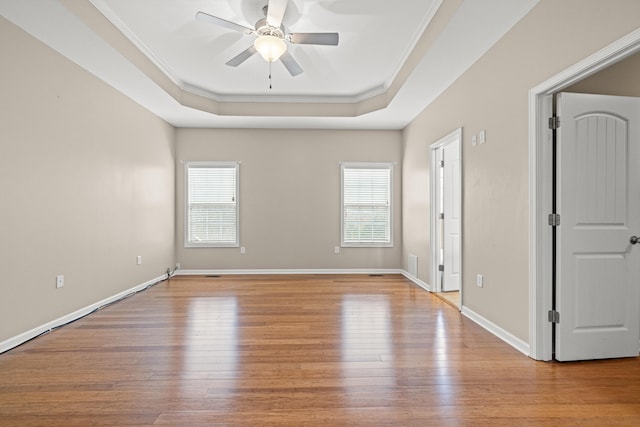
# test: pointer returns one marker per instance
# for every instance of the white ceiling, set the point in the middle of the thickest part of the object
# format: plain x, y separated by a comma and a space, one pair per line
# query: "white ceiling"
364, 73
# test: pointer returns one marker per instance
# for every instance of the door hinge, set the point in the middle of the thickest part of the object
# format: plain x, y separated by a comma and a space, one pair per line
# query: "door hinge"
441, 267
554, 316
554, 122
442, 216
441, 163
554, 220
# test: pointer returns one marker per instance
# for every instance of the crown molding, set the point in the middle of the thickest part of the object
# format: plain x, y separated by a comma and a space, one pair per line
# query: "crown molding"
98, 16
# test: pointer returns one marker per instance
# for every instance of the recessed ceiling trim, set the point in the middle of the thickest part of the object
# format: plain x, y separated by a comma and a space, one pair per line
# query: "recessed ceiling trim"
328, 99
98, 16
412, 45
79, 31
380, 89
282, 109
112, 17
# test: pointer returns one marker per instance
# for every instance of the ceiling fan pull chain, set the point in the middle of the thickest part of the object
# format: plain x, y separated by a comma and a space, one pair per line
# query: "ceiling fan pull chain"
270, 62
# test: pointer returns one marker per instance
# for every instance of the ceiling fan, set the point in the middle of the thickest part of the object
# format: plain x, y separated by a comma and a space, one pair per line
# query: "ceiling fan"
272, 38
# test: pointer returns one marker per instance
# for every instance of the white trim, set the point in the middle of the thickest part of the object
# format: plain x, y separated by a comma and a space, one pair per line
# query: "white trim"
409, 49
404, 273
423, 285
359, 165
26, 336
496, 330
491, 327
362, 96
434, 183
434, 178
210, 164
115, 20
609, 55
39, 330
539, 185
288, 271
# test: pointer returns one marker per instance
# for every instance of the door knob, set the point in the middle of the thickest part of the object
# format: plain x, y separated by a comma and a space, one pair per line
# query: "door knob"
634, 239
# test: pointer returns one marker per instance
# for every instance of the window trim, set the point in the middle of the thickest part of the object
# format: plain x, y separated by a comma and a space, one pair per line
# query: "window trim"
187, 165
358, 165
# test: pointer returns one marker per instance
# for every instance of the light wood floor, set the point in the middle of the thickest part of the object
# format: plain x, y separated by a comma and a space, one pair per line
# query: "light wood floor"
299, 351
451, 297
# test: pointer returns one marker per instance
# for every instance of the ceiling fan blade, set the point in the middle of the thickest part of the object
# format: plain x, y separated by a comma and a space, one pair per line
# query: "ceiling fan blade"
205, 17
242, 56
275, 12
329, 39
290, 64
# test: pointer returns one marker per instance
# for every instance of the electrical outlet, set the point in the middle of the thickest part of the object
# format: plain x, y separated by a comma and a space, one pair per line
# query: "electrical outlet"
336, 250
479, 280
474, 140
60, 281
483, 137
139, 259
177, 266
243, 250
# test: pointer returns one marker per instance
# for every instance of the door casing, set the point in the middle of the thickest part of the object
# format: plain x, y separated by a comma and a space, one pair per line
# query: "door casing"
456, 135
541, 185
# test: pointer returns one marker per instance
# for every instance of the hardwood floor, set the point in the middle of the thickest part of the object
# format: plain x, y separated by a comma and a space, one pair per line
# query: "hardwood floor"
452, 298
299, 351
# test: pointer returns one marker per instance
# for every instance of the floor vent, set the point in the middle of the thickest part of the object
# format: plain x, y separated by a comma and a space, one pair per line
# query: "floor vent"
412, 265
214, 276
376, 275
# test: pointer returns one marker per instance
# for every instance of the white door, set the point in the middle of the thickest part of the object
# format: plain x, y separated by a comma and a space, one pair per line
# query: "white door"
598, 269
452, 212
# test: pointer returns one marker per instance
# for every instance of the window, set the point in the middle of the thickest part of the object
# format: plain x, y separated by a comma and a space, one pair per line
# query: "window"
366, 204
212, 204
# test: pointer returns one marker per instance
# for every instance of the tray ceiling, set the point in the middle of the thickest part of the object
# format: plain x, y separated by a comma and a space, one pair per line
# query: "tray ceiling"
392, 60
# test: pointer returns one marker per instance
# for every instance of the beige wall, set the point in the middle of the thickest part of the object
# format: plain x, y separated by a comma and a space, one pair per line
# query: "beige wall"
87, 177
86, 185
493, 96
289, 197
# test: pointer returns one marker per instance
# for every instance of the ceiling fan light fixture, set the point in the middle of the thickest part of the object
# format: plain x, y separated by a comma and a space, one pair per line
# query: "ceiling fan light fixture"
270, 47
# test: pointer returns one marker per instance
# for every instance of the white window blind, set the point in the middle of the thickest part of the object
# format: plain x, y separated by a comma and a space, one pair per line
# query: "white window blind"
212, 204
366, 204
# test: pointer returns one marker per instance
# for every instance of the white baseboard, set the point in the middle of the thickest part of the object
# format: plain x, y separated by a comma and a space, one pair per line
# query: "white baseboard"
26, 336
496, 330
417, 281
10, 343
288, 271
491, 327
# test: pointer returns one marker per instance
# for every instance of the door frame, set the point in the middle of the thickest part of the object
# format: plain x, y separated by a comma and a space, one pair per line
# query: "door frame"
434, 178
541, 185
